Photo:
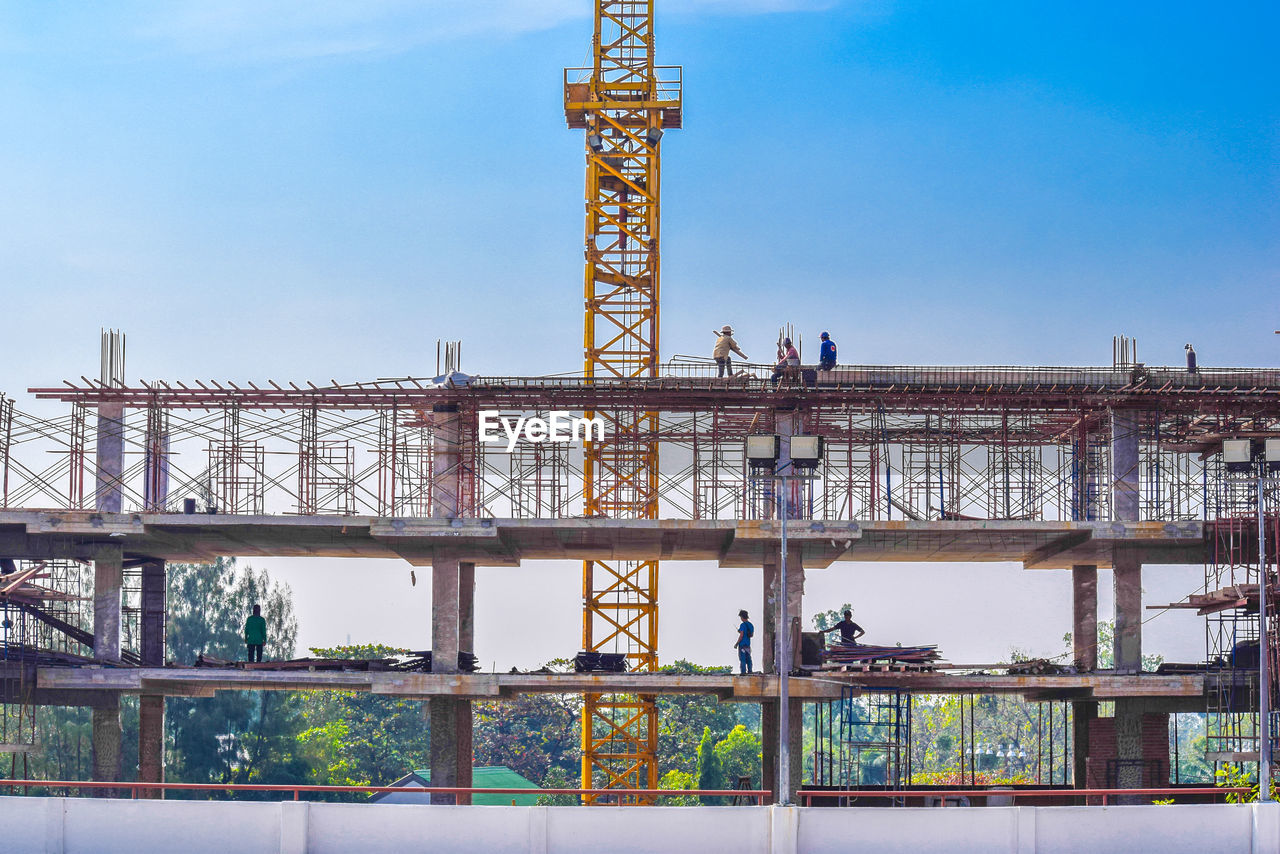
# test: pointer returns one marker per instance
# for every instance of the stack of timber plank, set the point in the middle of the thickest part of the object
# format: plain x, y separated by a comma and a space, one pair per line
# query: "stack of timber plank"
854, 656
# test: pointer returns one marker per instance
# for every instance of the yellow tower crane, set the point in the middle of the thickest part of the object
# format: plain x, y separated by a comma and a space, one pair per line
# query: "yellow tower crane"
624, 102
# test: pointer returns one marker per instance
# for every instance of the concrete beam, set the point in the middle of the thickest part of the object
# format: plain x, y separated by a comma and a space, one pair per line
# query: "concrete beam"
204, 681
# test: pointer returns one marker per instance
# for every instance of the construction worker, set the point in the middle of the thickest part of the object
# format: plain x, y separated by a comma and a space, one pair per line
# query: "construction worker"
787, 358
849, 630
255, 634
725, 344
743, 645
827, 355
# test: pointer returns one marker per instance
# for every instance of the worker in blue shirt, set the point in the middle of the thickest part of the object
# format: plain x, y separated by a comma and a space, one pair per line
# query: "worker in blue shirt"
743, 645
827, 355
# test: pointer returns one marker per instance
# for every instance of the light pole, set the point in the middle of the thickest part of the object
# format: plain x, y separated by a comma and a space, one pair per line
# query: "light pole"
764, 454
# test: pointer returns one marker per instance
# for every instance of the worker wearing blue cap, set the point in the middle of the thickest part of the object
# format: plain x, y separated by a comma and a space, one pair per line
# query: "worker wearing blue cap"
827, 355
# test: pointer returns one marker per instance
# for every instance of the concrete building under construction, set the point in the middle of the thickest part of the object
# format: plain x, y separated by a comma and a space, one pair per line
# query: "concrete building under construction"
775, 472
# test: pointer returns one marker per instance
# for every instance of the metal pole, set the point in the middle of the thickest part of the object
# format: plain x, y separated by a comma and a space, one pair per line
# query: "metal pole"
1264, 653
784, 661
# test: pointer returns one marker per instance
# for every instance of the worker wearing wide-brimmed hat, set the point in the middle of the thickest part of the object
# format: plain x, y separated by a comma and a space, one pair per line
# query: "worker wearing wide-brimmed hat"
725, 344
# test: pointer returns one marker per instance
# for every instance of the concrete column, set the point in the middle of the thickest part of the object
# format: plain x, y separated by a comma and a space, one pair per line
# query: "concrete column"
151, 706
108, 575
108, 494
1084, 641
764, 645
1125, 488
445, 613
769, 737
107, 736
443, 712
108, 580
466, 643
1127, 579
450, 719
446, 461
1084, 616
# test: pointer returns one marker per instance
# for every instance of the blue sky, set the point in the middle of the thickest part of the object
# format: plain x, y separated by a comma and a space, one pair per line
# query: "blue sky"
321, 190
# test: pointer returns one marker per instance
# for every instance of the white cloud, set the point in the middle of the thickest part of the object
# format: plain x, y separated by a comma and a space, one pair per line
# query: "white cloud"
265, 30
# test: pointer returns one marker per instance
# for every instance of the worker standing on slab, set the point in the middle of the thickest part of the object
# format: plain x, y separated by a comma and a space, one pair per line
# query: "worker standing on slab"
788, 359
743, 646
849, 630
255, 634
827, 355
724, 345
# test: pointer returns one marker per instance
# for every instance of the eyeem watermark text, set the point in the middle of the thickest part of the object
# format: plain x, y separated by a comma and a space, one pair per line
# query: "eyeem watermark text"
556, 427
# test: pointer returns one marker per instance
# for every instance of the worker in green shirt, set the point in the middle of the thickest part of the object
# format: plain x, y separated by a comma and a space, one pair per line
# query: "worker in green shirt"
255, 633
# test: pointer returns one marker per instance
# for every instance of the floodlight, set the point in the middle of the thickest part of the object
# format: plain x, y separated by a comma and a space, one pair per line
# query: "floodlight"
806, 450
595, 141
763, 449
653, 135
1272, 454
1237, 455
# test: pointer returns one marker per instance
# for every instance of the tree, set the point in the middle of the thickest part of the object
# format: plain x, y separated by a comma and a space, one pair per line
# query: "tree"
234, 736
739, 755
536, 735
682, 718
824, 620
361, 739
710, 772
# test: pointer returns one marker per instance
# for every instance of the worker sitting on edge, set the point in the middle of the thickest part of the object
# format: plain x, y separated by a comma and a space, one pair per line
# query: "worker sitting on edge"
725, 344
849, 630
788, 360
743, 646
827, 355
255, 634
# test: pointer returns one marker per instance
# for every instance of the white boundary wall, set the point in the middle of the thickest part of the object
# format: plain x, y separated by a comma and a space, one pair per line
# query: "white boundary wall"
84, 825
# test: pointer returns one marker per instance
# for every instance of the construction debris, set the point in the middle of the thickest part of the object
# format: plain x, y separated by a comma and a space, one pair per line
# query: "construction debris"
414, 662
1040, 667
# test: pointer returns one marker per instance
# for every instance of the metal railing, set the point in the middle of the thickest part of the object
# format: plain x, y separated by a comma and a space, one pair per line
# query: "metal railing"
297, 790
806, 796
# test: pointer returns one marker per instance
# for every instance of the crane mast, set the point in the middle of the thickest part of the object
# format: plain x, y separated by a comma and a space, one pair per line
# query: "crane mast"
624, 102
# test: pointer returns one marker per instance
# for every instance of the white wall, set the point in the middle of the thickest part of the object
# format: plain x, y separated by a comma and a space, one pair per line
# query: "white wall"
93, 826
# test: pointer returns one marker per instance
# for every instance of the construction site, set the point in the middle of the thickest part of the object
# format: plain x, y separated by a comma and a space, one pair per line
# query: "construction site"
775, 470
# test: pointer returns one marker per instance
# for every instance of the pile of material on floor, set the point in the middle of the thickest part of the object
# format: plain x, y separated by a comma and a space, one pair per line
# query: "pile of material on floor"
600, 662
413, 662
1040, 667
839, 655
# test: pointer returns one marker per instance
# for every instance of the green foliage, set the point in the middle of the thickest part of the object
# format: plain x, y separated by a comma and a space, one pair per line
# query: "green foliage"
827, 619
676, 779
360, 739
558, 778
739, 756
359, 652
1234, 776
710, 772
234, 736
682, 718
532, 734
